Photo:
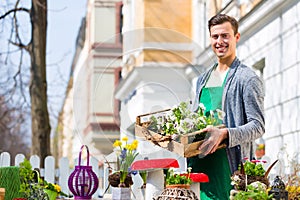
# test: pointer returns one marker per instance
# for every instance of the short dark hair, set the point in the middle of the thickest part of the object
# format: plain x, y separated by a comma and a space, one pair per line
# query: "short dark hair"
222, 18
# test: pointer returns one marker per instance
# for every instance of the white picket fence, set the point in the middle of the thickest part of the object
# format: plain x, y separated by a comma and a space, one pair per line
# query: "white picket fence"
53, 175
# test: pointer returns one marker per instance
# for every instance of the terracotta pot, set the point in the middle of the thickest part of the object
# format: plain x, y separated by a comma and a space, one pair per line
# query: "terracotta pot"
183, 186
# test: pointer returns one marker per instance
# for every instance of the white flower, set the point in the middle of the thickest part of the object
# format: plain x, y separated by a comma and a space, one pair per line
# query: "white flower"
160, 120
201, 120
236, 178
177, 173
180, 119
221, 114
169, 125
202, 107
259, 185
172, 117
211, 113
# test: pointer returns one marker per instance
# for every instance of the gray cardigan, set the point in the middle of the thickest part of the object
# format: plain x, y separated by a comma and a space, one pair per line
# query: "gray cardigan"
243, 103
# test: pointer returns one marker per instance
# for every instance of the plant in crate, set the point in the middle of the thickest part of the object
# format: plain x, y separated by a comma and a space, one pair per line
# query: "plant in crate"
182, 120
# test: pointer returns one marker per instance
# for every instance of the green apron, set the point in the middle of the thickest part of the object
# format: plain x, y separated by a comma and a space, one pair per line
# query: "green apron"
215, 165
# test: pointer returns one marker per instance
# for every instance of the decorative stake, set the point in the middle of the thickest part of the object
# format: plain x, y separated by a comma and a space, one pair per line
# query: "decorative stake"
83, 182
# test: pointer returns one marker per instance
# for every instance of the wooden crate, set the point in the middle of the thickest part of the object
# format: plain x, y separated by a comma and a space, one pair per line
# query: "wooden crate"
182, 145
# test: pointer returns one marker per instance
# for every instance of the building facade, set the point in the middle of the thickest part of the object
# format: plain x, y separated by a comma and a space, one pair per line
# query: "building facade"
91, 113
269, 44
163, 47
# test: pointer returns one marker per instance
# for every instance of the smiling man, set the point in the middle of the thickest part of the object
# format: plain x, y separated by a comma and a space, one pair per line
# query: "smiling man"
234, 88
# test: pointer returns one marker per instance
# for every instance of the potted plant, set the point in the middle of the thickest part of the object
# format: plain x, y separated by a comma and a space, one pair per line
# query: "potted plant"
177, 180
255, 191
121, 179
251, 181
30, 188
178, 185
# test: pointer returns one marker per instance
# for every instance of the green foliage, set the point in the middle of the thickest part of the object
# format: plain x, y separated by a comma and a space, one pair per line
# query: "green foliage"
253, 193
26, 177
54, 187
29, 187
143, 175
173, 178
254, 169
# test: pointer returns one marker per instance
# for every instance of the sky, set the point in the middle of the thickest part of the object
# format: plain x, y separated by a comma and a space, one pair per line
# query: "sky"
64, 19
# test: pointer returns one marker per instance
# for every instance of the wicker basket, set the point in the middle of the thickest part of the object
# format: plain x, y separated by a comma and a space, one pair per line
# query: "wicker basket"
176, 193
245, 180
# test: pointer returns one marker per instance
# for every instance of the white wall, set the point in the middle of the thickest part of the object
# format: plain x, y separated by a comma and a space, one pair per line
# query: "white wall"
279, 43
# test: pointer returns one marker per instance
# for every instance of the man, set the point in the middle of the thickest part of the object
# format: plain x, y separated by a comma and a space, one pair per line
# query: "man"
234, 88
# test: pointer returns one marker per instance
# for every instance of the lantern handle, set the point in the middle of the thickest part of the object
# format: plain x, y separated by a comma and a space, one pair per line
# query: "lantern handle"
88, 155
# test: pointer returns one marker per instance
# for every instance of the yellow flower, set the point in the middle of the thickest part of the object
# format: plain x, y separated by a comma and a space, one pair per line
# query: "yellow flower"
134, 146
117, 143
57, 187
135, 142
125, 139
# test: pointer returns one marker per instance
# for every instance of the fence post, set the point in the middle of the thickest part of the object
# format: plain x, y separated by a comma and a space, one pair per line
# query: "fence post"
49, 169
18, 159
64, 172
5, 159
95, 167
35, 161
105, 177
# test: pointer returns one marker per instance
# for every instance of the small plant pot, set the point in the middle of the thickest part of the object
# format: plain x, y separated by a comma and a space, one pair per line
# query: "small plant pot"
182, 186
121, 193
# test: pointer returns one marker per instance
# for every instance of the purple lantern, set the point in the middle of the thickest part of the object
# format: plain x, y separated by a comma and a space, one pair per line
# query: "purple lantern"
83, 182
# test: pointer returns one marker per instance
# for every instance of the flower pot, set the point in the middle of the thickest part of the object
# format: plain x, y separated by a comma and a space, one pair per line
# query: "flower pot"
51, 194
114, 180
183, 186
121, 193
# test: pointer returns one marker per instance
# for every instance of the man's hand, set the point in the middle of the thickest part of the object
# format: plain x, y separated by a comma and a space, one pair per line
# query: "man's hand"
213, 139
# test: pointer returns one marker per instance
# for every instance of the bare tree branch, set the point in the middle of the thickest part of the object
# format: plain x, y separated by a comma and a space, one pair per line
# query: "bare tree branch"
13, 11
